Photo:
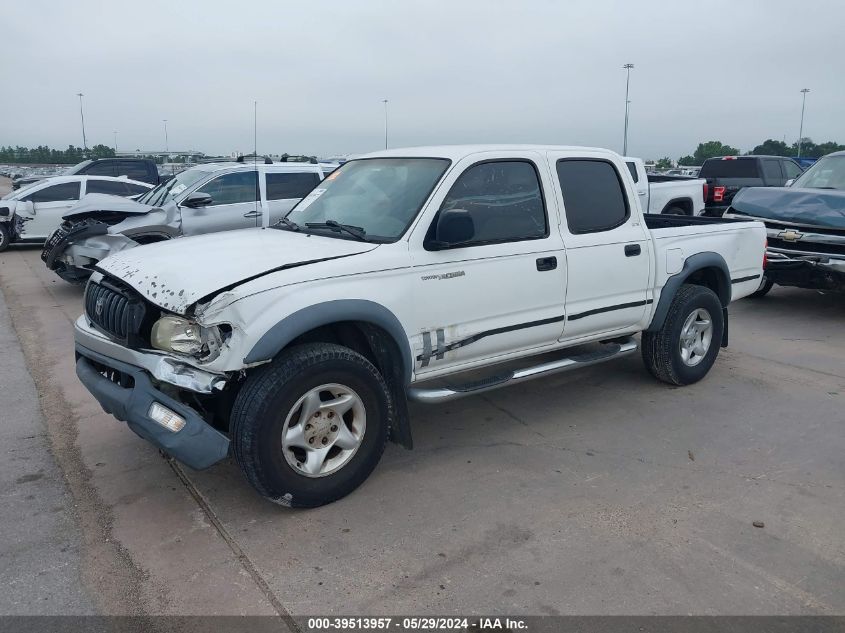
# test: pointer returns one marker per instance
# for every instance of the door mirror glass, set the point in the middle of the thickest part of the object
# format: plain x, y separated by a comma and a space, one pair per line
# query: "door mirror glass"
197, 200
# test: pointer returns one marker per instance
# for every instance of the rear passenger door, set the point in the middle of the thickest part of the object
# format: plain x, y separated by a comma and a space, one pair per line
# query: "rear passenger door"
772, 173
500, 290
285, 189
608, 249
234, 205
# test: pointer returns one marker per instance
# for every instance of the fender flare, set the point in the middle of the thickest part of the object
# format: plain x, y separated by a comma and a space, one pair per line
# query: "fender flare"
692, 264
306, 319
680, 202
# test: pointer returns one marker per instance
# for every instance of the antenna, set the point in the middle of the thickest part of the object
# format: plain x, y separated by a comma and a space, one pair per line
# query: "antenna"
255, 159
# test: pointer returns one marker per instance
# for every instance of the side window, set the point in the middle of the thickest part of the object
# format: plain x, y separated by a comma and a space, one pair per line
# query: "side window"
56, 193
633, 169
134, 171
791, 170
111, 187
593, 195
101, 169
134, 190
284, 186
502, 200
240, 186
771, 170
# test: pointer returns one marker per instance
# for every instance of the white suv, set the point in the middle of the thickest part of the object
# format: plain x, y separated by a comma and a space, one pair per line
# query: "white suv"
204, 199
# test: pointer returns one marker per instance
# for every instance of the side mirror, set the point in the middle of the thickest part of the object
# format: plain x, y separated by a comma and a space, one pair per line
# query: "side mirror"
454, 227
789, 182
197, 200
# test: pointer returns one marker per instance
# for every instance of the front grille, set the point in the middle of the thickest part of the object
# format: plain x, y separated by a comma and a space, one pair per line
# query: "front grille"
807, 247
115, 310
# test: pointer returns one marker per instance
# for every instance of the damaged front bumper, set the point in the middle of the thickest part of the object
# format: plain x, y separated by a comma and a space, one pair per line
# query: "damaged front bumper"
127, 383
74, 250
815, 272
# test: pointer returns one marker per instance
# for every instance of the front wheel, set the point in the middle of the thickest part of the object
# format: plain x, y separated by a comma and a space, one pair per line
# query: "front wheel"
685, 348
763, 290
4, 237
310, 427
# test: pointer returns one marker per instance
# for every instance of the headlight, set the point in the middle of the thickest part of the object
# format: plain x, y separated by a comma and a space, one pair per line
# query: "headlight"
175, 334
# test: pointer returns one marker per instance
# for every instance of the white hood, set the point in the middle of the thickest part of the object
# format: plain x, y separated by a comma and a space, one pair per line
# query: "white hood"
177, 273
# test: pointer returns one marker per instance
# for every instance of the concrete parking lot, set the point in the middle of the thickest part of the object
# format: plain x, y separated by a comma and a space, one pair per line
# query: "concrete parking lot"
600, 492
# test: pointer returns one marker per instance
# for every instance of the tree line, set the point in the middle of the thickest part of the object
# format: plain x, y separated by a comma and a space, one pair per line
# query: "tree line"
44, 154
770, 147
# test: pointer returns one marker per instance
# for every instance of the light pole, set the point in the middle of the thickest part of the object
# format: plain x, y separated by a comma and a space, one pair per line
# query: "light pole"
627, 68
166, 144
384, 101
804, 92
115, 141
82, 116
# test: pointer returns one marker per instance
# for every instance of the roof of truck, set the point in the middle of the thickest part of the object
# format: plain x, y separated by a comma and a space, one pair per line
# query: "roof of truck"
456, 152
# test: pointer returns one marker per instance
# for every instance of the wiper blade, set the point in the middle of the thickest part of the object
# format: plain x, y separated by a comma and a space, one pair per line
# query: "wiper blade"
288, 224
355, 231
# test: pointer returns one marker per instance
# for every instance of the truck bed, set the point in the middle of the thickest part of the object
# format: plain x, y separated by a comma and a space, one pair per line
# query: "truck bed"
657, 222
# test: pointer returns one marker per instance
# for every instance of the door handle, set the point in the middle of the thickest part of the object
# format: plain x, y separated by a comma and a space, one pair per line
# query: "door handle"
546, 263
641, 193
252, 214
632, 250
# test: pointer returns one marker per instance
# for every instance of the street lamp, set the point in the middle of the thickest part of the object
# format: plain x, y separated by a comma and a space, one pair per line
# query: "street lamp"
384, 101
804, 92
82, 116
166, 145
115, 141
627, 68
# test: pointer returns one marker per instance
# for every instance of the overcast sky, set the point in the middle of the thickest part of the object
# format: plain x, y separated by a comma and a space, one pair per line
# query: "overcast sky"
454, 71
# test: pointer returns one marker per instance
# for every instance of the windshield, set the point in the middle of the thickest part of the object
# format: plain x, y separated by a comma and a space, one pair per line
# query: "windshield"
827, 173
382, 196
172, 188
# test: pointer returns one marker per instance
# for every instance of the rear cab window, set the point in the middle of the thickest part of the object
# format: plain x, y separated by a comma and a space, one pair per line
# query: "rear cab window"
730, 168
594, 195
632, 167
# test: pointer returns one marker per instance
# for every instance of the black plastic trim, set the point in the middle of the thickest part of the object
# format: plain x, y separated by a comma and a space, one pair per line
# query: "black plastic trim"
739, 280
619, 306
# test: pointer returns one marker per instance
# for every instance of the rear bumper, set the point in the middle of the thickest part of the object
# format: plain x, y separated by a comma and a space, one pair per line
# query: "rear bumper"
197, 444
806, 272
715, 210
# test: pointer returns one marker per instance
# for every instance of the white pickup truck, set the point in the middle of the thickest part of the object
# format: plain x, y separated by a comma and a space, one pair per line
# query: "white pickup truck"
296, 347
667, 195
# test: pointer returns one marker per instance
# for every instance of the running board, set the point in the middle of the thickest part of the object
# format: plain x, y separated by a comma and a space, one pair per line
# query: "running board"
452, 392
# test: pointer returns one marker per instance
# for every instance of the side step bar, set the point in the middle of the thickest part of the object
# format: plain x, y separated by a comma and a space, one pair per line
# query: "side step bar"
452, 392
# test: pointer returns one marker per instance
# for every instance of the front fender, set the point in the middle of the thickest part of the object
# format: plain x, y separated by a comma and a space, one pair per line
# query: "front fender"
306, 319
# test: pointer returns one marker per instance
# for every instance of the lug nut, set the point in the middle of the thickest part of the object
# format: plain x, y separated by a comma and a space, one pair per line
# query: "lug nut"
334, 428
325, 440
331, 414
317, 415
307, 427
310, 440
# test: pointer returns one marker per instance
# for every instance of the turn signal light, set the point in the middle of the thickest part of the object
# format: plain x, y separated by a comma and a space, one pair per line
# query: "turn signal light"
165, 417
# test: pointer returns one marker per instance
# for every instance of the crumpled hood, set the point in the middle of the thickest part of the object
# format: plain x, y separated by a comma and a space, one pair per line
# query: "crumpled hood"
104, 202
177, 273
810, 207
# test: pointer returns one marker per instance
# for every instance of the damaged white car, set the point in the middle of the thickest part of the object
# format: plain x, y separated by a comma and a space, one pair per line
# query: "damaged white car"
204, 199
32, 213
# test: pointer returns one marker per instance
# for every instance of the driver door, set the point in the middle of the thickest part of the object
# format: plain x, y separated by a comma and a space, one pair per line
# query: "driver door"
234, 205
47, 206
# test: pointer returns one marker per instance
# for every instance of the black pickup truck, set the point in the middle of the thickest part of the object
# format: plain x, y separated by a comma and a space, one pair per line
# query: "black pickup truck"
727, 175
143, 169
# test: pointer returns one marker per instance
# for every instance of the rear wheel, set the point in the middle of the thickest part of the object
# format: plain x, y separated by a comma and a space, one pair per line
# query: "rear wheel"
4, 237
685, 348
310, 428
674, 210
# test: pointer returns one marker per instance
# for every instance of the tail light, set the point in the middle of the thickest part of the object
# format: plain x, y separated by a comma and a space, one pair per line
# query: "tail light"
766, 255
718, 194
705, 189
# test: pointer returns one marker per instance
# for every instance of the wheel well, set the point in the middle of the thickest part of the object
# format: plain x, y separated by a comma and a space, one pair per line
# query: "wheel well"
683, 203
150, 238
713, 278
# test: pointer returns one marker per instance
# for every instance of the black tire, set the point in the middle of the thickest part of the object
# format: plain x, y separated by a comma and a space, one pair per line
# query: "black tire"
763, 290
4, 238
262, 406
75, 276
662, 349
674, 210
